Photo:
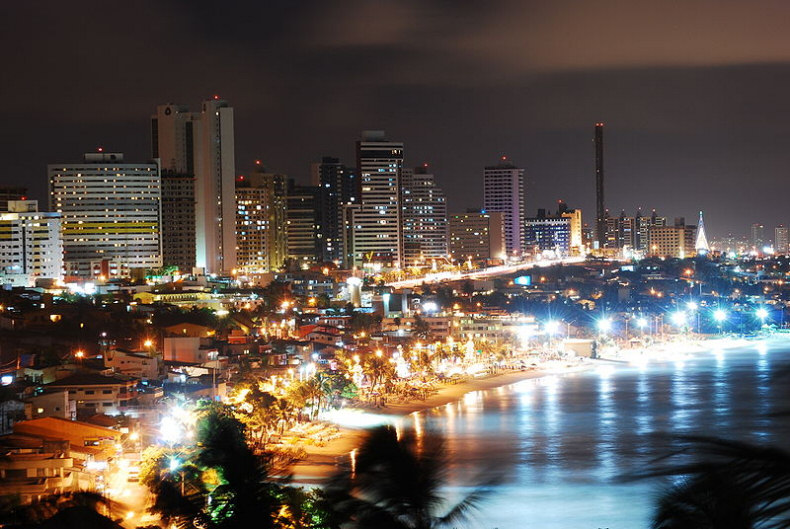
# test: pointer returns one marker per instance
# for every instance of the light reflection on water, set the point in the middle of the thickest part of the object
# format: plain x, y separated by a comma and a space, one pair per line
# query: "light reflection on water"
561, 443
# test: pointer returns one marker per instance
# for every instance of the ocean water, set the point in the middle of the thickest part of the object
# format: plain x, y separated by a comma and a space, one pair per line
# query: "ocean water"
560, 445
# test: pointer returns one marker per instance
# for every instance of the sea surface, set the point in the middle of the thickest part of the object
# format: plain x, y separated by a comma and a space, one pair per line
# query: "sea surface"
560, 445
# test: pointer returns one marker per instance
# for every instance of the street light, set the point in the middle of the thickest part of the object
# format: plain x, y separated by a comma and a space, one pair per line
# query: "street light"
762, 314
679, 318
604, 325
552, 327
720, 315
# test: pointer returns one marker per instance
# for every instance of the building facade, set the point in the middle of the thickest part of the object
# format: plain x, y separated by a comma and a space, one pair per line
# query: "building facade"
503, 191
339, 189
110, 212
261, 228
377, 222
424, 217
30, 244
201, 144
781, 239
673, 241
304, 232
178, 221
545, 233
477, 235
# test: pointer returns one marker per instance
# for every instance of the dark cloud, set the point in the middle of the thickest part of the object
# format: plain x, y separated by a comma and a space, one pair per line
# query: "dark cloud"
693, 93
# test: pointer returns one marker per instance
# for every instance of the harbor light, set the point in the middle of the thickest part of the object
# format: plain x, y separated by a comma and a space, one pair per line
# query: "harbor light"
762, 313
719, 315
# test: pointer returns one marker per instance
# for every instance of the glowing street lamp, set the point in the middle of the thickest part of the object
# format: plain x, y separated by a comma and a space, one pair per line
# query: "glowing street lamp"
720, 316
679, 318
604, 325
762, 314
552, 327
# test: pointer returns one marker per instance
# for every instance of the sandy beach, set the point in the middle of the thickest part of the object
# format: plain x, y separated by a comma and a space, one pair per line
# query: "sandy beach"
321, 460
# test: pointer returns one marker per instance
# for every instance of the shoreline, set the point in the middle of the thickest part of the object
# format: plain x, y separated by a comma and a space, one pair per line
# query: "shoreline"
321, 461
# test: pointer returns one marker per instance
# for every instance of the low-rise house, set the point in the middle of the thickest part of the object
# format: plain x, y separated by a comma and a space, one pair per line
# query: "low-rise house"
51, 404
189, 349
135, 364
95, 393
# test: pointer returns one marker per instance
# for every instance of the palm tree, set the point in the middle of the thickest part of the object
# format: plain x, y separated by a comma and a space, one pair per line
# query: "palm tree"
396, 484
732, 485
230, 485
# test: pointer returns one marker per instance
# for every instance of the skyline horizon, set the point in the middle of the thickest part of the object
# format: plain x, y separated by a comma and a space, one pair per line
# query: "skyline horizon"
532, 205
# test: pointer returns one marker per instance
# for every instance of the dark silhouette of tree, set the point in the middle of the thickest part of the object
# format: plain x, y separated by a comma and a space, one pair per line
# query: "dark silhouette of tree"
73, 509
730, 485
396, 484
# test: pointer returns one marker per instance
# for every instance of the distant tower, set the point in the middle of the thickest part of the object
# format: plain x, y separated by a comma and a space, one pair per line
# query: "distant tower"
600, 210
702, 241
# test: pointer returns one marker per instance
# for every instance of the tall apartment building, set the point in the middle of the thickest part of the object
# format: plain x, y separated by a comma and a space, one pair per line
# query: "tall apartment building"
261, 222
303, 223
503, 191
548, 233
758, 236
673, 241
424, 216
201, 144
339, 188
178, 221
574, 217
377, 221
781, 239
110, 214
30, 244
477, 234
641, 229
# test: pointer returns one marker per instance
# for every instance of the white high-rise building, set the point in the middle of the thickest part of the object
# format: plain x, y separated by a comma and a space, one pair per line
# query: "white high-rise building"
110, 212
424, 217
503, 191
377, 225
30, 244
781, 239
202, 144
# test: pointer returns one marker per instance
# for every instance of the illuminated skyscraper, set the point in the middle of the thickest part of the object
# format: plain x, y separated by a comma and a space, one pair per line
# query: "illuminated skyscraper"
503, 191
339, 189
201, 144
781, 239
30, 244
424, 216
758, 236
110, 212
377, 225
261, 203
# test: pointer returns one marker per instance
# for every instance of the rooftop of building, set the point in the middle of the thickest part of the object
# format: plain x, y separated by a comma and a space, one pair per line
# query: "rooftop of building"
90, 379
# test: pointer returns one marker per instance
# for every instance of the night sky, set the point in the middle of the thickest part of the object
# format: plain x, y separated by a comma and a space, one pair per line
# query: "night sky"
695, 94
